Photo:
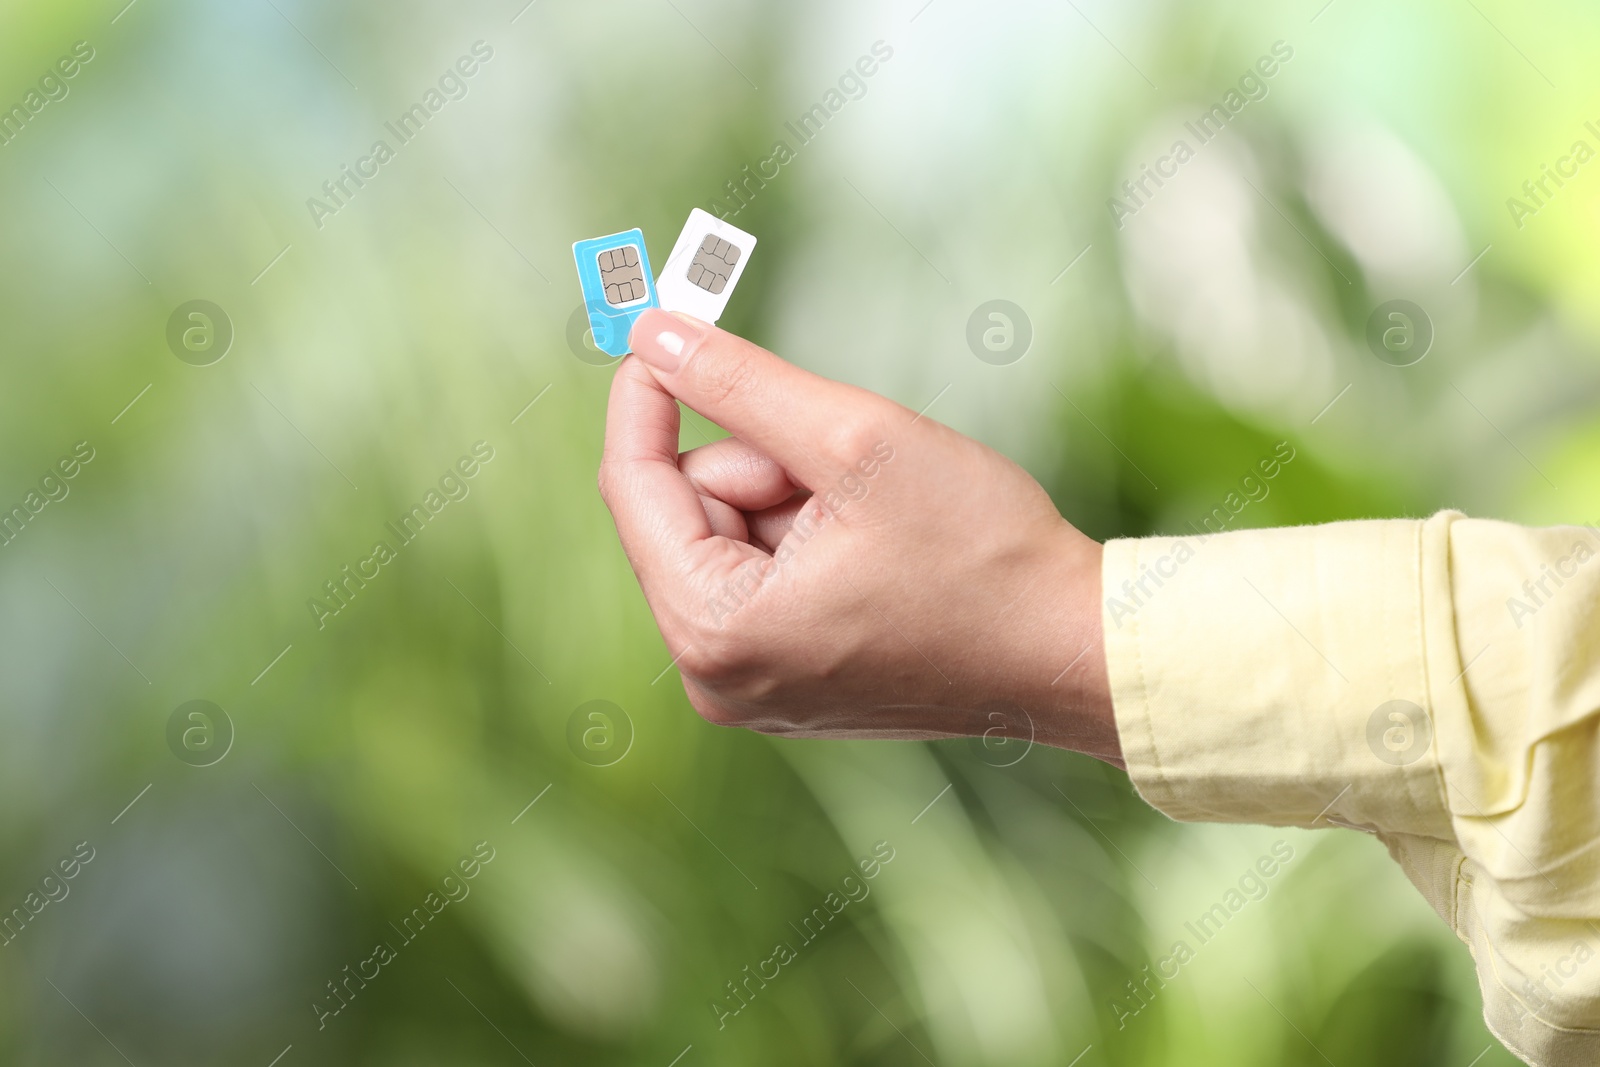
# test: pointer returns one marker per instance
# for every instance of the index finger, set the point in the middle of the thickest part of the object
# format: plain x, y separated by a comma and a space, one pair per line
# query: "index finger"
812, 426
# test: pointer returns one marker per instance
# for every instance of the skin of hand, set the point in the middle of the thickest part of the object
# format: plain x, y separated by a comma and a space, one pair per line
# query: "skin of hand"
841, 567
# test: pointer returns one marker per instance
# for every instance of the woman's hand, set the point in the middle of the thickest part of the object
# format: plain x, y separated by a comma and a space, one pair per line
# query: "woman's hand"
841, 567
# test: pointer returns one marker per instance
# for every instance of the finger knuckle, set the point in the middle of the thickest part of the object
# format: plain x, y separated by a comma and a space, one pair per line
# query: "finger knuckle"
714, 711
713, 659
727, 376
852, 439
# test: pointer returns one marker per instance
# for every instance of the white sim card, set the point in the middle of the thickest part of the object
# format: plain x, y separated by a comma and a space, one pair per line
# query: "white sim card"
704, 267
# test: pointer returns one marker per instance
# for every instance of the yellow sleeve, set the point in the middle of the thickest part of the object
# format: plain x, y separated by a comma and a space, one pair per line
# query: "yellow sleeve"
1436, 682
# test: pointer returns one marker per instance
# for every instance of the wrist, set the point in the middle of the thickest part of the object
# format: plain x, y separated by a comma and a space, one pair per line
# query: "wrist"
1065, 687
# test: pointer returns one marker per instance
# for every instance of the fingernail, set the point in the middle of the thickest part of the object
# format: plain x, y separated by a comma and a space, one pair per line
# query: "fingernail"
662, 339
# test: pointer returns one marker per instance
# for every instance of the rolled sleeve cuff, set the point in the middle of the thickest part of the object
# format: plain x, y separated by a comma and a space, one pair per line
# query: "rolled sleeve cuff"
1283, 676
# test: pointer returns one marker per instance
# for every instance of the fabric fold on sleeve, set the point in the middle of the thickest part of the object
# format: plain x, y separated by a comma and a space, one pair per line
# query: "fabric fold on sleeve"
1277, 676
1434, 682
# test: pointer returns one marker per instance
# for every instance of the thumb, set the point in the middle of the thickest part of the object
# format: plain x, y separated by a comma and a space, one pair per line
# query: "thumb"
811, 426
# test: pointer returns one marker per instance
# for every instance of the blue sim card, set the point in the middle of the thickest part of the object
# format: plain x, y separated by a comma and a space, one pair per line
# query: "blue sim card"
617, 286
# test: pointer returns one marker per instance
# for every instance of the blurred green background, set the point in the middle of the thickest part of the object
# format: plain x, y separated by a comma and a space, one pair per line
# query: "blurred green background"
371, 755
